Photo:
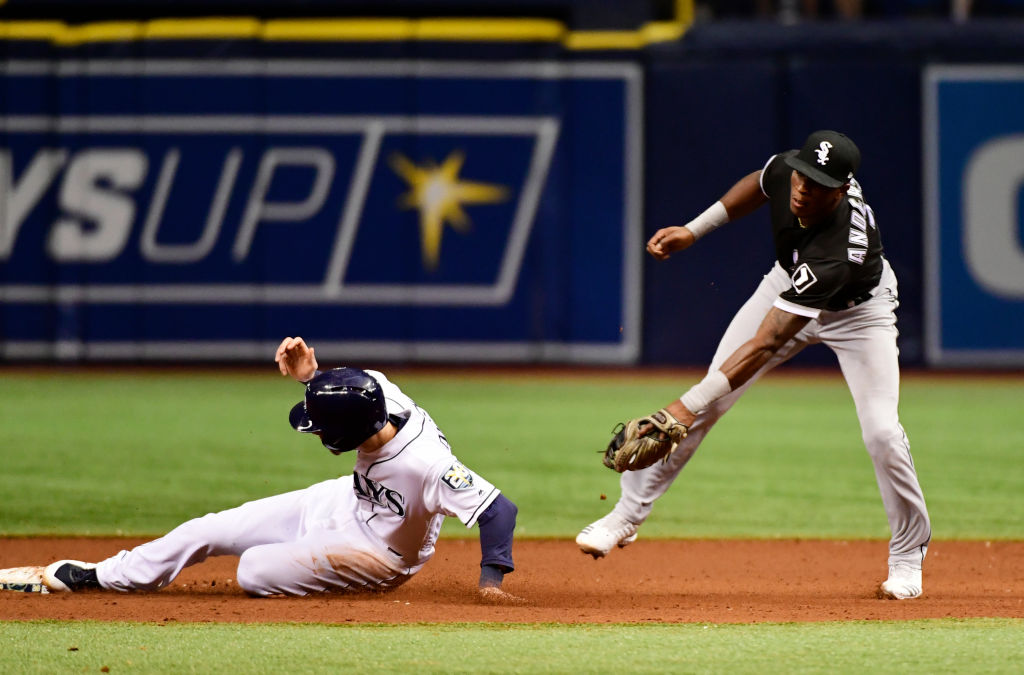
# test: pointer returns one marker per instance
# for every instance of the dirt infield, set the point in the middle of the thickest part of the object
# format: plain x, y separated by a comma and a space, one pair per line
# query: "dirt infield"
682, 581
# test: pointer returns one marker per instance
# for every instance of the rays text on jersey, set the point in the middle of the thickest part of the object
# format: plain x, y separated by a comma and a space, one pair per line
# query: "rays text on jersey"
371, 491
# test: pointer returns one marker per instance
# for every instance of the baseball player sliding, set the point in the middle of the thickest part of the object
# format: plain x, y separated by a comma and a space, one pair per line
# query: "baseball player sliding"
370, 531
830, 283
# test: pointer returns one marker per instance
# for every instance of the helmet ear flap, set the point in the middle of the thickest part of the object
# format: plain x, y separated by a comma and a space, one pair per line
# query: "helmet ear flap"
344, 406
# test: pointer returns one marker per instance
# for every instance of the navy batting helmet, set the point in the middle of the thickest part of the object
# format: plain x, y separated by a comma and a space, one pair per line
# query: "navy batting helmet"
345, 406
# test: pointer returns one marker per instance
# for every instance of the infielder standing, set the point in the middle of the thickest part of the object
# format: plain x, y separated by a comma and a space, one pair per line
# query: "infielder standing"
831, 284
370, 531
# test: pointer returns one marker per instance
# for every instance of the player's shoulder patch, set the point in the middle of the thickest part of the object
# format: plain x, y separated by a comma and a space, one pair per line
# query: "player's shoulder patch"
458, 477
803, 278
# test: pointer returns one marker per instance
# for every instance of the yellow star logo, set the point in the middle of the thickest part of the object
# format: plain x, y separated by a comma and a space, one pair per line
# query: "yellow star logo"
439, 195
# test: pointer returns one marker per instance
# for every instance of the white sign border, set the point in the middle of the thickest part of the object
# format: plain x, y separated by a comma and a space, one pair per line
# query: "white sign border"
937, 354
627, 350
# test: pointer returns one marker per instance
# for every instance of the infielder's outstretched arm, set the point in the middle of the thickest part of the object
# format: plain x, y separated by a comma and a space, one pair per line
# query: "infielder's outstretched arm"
741, 199
777, 328
744, 197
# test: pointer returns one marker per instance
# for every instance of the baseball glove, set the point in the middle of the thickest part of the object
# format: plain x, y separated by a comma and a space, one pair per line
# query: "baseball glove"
641, 442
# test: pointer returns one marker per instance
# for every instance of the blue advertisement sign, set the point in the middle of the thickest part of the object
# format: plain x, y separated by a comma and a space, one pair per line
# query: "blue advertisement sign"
397, 209
974, 192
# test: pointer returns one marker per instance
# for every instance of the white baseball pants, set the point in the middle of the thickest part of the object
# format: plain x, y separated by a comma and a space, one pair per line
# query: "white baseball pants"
300, 542
864, 340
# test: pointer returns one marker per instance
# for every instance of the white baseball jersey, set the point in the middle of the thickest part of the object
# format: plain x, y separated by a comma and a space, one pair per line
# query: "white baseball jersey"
406, 488
370, 531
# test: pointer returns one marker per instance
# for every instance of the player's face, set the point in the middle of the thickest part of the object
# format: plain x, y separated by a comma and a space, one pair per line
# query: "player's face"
809, 200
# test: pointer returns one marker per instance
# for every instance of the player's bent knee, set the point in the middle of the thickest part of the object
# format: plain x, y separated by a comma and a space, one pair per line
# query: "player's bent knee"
256, 577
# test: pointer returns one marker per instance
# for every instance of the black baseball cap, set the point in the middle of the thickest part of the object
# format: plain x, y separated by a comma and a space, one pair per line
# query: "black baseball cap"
828, 157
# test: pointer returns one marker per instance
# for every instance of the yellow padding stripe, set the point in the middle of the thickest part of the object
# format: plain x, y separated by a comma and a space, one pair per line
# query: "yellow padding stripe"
227, 27
507, 30
62, 34
342, 30
685, 12
605, 39
386, 30
30, 30
658, 31
663, 31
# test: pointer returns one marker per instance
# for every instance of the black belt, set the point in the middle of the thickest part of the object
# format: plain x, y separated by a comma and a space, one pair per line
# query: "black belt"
863, 297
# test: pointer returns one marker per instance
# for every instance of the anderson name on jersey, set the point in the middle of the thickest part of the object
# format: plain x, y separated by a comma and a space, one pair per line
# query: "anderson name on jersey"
834, 264
405, 490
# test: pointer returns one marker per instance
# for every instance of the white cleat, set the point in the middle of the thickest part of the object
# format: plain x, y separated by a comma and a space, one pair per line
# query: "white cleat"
68, 576
600, 537
904, 583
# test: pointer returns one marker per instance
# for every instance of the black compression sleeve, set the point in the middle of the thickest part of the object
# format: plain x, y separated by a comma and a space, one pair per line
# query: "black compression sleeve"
497, 523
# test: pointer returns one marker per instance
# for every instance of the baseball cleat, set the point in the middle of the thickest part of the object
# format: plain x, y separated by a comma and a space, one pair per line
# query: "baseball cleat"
66, 576
601, 536
904, 583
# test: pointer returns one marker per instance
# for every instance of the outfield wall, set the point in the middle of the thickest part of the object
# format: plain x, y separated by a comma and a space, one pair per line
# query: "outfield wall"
197, 190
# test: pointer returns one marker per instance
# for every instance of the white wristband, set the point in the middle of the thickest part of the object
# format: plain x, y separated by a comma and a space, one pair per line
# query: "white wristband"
713, 217
707, 391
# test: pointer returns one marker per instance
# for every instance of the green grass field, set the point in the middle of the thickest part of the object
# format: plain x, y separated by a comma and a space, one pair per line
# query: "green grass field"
978, 646
131, 453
